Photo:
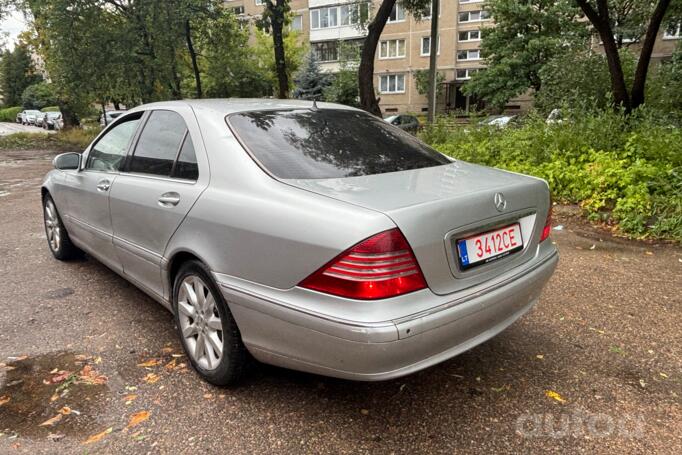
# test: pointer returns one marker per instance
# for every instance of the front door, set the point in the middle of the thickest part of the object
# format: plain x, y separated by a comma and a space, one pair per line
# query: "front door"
88, 219
159, 185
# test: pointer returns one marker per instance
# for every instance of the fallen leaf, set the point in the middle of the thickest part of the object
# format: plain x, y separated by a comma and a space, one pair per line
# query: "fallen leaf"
138, 418
208, 396
642, 383
149, 363
500, 389
171, 365
97, 437
131, 388
540, 356
663, 375
54, 397
17, 358
151, 378
364, 412
4, 400
130, 398
649, 253
167, 350
58, 376
593, 247
177, 355
98, 360
90, 376
65, 410
82, 357
54, 371
555, 396
51, 421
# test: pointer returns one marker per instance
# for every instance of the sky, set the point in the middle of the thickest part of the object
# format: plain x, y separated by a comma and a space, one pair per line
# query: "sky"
12, 25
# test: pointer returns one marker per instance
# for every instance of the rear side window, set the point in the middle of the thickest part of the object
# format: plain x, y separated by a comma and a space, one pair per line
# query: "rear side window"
329, 143
165, 148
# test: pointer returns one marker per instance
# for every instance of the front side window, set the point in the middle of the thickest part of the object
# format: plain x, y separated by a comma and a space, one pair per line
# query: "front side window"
329, 143
108, 153
163, 140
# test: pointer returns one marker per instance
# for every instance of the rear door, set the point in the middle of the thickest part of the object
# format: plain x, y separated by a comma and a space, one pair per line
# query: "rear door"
162, 179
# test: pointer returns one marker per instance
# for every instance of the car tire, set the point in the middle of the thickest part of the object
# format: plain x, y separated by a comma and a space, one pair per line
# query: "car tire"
203, 327
57, 238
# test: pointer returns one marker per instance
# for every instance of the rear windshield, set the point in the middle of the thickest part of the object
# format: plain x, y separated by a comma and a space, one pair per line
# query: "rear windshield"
329, 143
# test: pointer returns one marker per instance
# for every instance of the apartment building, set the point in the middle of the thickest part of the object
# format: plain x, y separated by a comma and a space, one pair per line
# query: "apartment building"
403, 51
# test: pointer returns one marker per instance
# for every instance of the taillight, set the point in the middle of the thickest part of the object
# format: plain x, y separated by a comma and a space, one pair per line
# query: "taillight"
381, 266
548, 224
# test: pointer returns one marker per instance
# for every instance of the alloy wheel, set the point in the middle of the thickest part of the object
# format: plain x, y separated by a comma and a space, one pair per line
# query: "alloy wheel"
200, 322
52, 226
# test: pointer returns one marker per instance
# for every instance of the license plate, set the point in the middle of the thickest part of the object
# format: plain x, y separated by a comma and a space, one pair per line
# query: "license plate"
490, 246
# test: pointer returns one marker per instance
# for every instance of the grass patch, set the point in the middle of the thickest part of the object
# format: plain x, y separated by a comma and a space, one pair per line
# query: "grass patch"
71, 140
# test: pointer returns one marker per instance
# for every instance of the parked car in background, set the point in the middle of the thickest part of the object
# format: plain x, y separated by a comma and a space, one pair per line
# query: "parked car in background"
314, 237
20, 117
39, 119
108, 117
405, 122
500, 121
30, 117
52, 121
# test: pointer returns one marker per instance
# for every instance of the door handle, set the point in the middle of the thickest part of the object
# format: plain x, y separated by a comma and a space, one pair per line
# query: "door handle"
103, 185
169, 199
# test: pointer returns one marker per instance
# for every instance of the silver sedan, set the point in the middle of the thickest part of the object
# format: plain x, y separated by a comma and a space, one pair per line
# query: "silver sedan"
313, 237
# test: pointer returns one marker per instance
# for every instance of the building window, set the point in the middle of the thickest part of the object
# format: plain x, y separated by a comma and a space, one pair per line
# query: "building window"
394, 48
259, 2
426, 46
674, 31
326, 51
426, 14
334, 16
474, 16
471, 1
297, 23
465, 74
238, 10
471, 35
474, 54
397, 14
392, 83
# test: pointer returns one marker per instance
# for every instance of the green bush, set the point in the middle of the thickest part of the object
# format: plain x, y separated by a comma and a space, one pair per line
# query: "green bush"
70, 140
622, 170
10, 114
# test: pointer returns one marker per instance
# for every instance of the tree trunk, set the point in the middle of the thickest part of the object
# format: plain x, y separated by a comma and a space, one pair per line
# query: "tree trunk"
193, 56
68, 115
433, 59
104, 114
639, 84
368, 100
277, 24
600, 21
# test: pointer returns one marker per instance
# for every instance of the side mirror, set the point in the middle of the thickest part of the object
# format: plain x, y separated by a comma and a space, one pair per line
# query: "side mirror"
67, 161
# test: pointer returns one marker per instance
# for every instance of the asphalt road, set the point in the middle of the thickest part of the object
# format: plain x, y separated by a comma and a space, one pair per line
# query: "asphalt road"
7, 128
596, 367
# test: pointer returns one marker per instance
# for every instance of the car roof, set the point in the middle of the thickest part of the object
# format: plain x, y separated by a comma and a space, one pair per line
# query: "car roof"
227, 106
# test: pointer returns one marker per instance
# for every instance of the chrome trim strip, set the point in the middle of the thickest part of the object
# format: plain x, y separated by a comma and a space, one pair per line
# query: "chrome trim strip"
89, 227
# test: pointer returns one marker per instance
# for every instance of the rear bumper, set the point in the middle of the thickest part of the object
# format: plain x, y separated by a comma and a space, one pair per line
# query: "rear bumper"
278, 334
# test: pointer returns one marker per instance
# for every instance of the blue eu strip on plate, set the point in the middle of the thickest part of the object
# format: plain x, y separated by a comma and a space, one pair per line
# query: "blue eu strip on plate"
463, 253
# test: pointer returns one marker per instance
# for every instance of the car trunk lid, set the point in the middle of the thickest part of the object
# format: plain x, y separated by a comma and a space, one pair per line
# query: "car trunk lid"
436, 206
